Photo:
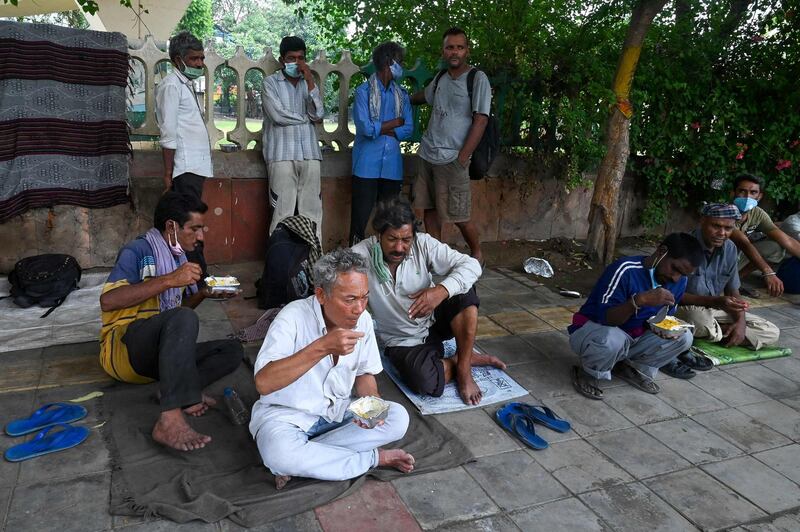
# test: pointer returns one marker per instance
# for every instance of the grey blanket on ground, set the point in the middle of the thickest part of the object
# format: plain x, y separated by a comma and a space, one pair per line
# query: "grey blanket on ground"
76, 320
227, 478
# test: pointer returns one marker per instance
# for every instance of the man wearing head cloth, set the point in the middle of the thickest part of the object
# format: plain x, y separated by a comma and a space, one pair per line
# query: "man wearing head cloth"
712, 301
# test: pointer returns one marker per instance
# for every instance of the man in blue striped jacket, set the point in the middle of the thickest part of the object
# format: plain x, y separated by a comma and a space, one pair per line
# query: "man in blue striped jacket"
610, 331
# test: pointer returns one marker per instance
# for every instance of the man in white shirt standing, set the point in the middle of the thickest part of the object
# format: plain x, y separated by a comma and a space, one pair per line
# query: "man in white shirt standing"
292, 104
185, 145
317, 351
414, 314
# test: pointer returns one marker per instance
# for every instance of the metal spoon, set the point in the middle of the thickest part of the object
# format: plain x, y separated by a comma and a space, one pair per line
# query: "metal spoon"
660, 315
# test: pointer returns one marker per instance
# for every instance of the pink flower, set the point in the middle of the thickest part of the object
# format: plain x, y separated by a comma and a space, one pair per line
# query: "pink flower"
740, 156
695, 125
783, 164
794, 143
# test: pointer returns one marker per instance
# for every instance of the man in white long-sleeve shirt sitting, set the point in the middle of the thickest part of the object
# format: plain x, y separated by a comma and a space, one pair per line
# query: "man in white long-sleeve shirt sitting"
414, 314
316, 352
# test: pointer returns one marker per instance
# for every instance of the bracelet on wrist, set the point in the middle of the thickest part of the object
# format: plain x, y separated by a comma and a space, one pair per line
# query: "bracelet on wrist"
767, 274
635, 306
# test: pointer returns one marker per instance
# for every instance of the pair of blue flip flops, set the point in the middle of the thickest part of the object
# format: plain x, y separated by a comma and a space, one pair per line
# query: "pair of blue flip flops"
54, 432
519, 419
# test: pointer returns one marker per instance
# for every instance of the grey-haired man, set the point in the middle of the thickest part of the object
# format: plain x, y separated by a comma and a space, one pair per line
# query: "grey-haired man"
316, 352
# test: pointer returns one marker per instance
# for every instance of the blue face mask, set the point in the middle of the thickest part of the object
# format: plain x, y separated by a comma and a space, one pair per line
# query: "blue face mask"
397, 70
745, 204
292, 70
652, 271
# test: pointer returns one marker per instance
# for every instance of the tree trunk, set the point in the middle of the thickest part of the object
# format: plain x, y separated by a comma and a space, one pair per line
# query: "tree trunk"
602, 236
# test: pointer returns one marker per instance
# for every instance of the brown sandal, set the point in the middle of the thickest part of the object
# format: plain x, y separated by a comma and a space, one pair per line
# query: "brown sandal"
635, 378
586, 385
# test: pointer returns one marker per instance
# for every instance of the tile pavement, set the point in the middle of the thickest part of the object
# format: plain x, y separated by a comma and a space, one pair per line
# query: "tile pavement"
718, 452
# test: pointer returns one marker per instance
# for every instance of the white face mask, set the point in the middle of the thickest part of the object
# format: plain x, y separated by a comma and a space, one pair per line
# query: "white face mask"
292, 70
652, 271
175, 248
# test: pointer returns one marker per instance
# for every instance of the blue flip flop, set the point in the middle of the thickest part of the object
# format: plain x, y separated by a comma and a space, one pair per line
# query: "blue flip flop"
47, 442
520, 425
47, 415
542, 415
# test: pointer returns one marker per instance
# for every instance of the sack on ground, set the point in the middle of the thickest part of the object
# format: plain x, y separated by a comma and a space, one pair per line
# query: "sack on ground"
44, 280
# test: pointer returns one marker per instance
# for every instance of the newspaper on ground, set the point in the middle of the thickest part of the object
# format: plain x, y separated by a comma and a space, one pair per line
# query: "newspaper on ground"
496, 385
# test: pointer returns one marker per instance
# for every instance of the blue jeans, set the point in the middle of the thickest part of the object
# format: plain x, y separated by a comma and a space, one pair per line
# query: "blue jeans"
322, 426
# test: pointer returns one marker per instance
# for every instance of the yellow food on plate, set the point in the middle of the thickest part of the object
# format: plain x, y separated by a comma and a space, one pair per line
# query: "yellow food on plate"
669, 323
368, 407
222, 281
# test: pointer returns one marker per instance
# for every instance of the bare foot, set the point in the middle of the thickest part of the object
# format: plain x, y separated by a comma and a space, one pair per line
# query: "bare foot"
470, 393
480, 359
173, 431
396, 458
200, 408
281, 481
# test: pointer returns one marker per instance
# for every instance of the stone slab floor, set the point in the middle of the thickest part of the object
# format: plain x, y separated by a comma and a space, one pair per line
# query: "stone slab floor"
716, 452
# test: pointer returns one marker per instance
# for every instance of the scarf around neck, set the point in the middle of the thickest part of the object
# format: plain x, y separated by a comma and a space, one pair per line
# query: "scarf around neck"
375, 91
165, 264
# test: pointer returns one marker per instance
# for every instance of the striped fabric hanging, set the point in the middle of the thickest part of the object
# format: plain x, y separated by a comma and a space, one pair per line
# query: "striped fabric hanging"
63, 130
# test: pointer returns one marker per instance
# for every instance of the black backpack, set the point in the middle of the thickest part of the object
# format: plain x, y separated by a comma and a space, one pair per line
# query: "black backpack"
44, 280
284, 278
489, 146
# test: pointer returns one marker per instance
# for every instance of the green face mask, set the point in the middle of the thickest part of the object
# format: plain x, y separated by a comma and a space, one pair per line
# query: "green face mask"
190, 72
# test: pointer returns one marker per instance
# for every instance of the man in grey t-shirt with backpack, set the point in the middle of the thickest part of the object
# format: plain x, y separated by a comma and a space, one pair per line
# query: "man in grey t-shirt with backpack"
457, 123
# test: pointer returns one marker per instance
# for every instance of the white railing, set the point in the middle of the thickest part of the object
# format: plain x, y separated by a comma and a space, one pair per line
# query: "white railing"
149, 55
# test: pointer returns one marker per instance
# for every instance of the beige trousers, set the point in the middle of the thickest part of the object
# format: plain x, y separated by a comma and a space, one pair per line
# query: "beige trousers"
708, 325
295, 185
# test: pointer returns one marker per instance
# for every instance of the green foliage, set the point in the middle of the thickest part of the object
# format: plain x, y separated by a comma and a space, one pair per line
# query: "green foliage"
552, 64
714, 94
69, 19
715, 101
258, 24
197, 19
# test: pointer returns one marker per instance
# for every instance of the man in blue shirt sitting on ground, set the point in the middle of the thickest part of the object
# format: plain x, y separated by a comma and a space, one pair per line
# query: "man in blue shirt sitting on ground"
610, 330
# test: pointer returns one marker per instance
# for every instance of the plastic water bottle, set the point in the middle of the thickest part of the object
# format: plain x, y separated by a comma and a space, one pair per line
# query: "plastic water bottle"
236, 409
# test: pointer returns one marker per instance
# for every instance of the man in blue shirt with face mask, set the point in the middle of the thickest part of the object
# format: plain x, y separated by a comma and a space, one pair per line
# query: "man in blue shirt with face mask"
761, 243
610, 330
382, 115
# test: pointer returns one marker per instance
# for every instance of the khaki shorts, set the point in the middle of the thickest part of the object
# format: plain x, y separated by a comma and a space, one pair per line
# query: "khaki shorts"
445, 188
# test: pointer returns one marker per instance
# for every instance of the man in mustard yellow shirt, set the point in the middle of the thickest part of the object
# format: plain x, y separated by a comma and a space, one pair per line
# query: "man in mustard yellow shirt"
150, 329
